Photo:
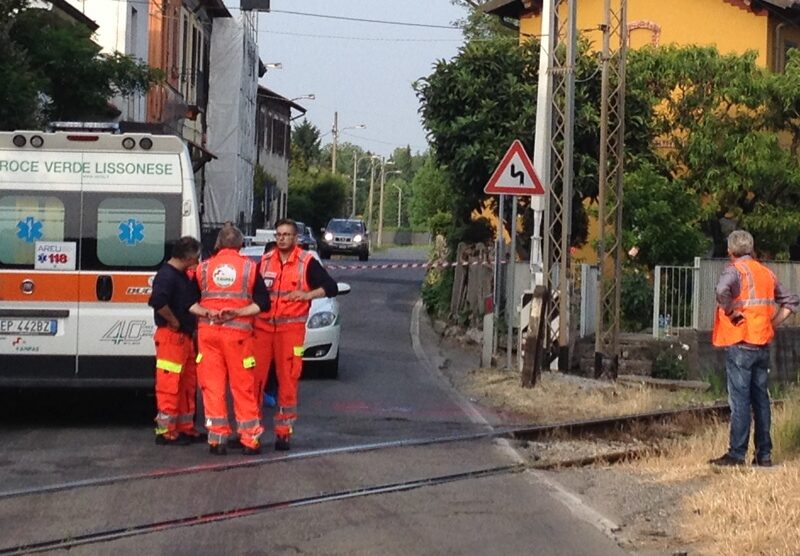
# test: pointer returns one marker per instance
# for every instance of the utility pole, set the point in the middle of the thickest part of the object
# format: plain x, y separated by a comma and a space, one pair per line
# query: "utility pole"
384, 164
399, 203
369, 197
552, 159
335, 132
380, 204
355, 178
610, 170
558, 217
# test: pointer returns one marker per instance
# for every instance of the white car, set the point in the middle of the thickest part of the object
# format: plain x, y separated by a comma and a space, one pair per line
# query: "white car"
323, 326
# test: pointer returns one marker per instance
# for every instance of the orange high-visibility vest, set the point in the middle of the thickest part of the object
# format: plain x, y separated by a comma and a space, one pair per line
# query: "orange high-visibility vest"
226, 282
281, 279
756, 301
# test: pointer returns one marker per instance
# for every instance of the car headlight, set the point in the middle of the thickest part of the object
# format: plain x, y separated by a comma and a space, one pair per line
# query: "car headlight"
357, 238
321, 319
328, 236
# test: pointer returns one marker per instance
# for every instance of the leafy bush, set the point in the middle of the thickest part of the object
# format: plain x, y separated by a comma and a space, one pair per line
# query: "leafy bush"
436, 291
636, 304
670, 364
441, 223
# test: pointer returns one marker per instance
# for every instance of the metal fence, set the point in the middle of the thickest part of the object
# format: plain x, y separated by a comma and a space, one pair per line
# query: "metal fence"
675, 298
684, 296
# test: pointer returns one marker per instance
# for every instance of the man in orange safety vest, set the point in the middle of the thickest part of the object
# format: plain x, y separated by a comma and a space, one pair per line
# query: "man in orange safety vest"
293, 277
747, 293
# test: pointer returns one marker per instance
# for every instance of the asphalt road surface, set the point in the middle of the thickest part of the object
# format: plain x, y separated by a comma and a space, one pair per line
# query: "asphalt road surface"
79, 470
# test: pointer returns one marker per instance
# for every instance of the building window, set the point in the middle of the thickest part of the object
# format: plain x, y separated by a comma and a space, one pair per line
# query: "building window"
133, 38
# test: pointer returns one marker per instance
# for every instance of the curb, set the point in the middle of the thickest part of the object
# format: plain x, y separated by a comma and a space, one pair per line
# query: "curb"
572, 501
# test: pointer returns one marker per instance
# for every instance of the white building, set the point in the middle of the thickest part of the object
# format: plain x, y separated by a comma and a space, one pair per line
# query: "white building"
233, 82
123, 27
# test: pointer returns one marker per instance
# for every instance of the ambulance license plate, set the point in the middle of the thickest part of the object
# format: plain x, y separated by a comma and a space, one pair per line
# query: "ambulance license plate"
28, 327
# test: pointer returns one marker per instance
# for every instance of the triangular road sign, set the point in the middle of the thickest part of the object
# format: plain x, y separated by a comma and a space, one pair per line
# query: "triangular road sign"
515, 174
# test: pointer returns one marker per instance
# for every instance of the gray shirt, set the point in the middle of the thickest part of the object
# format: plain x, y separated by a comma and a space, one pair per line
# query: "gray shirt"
729, 287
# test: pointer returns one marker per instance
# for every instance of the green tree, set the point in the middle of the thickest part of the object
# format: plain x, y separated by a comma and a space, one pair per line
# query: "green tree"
479, 25
58, 60
316, 199
305, 144
731, 131
430, 193
19, 83
660, 219
476, 104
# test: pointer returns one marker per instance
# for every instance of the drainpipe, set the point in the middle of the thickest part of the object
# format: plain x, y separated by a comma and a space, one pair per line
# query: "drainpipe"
779, 64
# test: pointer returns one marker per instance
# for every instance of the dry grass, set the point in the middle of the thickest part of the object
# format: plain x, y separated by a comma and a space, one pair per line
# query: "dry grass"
728, 511
566, 398
737, 510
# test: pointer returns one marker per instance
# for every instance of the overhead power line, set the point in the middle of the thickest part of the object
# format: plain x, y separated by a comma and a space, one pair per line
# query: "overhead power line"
364, 20
352, 38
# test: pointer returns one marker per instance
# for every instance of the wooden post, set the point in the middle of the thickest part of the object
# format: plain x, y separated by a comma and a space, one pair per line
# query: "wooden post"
534, 343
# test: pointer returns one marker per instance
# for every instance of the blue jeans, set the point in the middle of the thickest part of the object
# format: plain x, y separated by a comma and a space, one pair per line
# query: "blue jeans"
747, 370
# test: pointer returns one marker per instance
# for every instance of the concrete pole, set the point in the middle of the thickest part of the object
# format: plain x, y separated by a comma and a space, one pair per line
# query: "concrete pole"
369, 197
380, 203
399, 204
355, 178
335, 132
541, 147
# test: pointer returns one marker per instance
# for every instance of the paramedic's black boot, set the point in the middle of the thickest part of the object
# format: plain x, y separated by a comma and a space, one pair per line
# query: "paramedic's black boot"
282, 443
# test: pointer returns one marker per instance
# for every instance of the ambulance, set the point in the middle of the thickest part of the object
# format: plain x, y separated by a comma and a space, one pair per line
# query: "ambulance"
87, 216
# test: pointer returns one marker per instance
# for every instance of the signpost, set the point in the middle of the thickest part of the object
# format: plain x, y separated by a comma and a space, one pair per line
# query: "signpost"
514, 176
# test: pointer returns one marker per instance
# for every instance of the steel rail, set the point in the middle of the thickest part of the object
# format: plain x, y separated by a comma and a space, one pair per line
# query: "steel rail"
247, 511
617, 423
522, 432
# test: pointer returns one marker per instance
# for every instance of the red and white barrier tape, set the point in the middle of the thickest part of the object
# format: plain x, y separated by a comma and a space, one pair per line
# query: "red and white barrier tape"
386, 266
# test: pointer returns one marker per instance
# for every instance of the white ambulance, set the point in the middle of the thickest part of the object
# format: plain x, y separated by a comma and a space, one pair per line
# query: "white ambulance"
86, 218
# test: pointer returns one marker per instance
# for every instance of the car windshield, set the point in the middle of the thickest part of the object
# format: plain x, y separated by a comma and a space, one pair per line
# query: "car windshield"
301, 228
344, 226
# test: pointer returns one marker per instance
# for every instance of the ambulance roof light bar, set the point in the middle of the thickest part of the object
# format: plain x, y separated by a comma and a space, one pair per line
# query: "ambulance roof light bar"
109, 127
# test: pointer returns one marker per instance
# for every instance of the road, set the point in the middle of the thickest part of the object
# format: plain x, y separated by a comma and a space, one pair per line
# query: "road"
83, 466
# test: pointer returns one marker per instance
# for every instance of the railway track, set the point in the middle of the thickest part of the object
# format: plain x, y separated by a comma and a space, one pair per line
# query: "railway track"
596, 428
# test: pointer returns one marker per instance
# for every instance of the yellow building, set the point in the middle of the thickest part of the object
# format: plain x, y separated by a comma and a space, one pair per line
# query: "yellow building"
733, 26
769, 27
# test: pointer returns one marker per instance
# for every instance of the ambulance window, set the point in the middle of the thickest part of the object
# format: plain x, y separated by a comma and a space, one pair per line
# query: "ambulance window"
131, 232
26, 219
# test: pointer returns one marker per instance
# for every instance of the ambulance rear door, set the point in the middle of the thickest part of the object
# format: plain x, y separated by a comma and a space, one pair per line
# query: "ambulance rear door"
40, 216
132, 210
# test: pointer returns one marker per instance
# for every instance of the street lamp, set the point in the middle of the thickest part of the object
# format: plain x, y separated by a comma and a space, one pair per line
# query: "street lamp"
335, 131
380, 203
356, 160
399, 202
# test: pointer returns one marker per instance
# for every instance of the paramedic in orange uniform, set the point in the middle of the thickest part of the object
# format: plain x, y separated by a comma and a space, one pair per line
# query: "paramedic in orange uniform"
174, 292
294, 277
230, 294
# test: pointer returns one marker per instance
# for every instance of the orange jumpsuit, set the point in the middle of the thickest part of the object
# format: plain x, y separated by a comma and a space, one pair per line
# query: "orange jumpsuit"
226, 349
176, 383
280, 332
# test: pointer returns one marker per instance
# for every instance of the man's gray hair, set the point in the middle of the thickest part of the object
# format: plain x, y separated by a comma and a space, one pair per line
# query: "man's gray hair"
230, 237
740, 243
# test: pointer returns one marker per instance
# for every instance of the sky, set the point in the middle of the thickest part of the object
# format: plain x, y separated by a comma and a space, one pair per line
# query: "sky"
367, 78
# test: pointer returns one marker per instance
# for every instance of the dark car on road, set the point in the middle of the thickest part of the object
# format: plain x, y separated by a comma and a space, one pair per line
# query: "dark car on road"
305, 237
345, 236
